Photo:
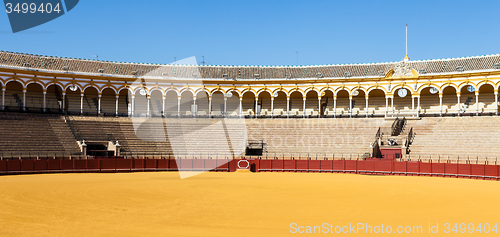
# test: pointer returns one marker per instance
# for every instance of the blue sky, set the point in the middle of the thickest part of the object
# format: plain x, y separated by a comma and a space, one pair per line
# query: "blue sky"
264, 32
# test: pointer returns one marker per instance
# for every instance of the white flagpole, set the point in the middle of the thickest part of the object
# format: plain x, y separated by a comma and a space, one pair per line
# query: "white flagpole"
406, 39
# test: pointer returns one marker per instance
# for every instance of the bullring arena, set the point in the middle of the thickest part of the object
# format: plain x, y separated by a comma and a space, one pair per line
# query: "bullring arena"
92, 147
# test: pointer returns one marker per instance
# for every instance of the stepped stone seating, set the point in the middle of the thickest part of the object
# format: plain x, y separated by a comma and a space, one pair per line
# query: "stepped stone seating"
316, 136
25, 134
455, 137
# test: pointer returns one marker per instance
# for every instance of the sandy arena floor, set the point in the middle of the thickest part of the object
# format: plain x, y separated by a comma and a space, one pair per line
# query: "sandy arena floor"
237, 204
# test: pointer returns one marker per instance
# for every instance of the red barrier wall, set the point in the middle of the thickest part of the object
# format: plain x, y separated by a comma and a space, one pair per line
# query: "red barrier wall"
301, 165
350, 165
450, 169
314, 165
199, 164
149, 164
54, 164
3, 166
67, 165
27, 165
222, 165
80, 165
477, 170
123, 164
107, 164
138, 165
162, 164
438, 168
40, 165
338, 165
14, 165
491, 170
289, 165
464, 169
277, 164
326, 165
425, 168
172, 164
265, 165
372, 166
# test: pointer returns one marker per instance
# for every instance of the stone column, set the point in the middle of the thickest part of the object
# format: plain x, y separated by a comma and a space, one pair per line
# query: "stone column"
148, 111
24, 99
225, 105
272, 106
210, 106
334, 106
241, 107
45, 100
440, 104
133, 104
178, 106
256, 104
99, 103
304, 106
477, 103
288, 106
3, 97
116, 110
496, 102
64, 101
350, 106
458, 104
319, 107
366, 105
195, 110
163, 105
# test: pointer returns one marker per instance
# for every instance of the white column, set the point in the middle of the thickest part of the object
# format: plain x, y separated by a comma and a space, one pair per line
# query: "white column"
99, 103
334, 106
256, 104
3, 97
116, 105
287, 106
319, 106
350, 106
272, 106
440, 104
64, 102
241, 107
210, 106
195, 110
458, 103
366, 105
163, 105
496, 102
44, 100
477, 103
304, 107
133, 104
148, 108
24, 99
225, 104
178, 106
81, 102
